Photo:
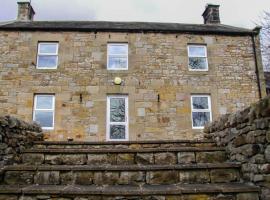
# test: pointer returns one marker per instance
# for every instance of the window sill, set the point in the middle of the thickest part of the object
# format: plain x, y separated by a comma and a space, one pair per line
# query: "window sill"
46, 70
198, 72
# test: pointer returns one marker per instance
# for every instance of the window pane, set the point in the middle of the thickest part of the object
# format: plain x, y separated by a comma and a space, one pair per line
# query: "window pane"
197, 51
118, 49
116, 62
117, 109
47, 61
200, 102
117, 132
200, 118
44, 102
47, 48
44, 118
197, 63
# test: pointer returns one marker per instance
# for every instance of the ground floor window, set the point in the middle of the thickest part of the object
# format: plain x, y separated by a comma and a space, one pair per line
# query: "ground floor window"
117, 117
44, 110
201, 110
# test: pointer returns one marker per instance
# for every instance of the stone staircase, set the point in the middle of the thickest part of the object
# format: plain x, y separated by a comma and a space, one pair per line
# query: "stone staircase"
161, 170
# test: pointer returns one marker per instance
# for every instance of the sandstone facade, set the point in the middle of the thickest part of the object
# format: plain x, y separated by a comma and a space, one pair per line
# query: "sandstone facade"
158, 82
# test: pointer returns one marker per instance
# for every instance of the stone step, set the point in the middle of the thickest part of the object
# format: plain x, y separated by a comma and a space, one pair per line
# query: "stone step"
125, 144
231, 191
121, 175
125, 156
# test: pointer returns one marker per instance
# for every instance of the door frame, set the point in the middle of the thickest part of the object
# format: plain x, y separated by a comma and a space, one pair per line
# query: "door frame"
126, 123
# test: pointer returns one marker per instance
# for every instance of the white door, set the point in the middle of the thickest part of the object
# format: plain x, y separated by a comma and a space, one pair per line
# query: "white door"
117, 118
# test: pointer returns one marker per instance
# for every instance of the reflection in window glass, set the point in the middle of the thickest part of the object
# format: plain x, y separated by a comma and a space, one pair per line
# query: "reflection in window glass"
117, 132
44, 102
117, 62
200, 118
49, 48
44, 118
117, 56
197, 58
117, 109
201, 110
44, 111
200, 102
47, 57
47, 61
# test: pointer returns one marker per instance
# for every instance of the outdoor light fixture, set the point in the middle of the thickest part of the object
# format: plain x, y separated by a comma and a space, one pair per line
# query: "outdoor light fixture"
117, 81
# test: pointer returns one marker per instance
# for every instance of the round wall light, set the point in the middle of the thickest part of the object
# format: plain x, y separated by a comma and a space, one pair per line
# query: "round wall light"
117, 80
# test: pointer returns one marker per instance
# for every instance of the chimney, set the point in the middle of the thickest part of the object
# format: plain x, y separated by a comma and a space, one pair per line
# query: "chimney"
211, 14
25, 11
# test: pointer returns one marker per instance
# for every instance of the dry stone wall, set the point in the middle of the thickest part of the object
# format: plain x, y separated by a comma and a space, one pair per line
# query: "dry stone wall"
16, 135
246, 135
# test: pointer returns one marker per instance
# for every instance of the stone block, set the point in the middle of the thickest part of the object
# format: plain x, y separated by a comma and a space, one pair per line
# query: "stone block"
125, 159
224, 175
74, 159
141, 112
84, 177
33, 158
267, 154
10, 197
162, 177
98, 159
89, 104
211, 157
67, 178
131, 178
224, 197
93, 129
186, 157
19, 177
247, 196
106, 178
165, 158
144, 158
53, 159
196, 197
47, 178
194, 176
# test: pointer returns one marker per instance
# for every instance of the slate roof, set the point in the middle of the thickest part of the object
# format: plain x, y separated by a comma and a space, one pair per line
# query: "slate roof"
105, 26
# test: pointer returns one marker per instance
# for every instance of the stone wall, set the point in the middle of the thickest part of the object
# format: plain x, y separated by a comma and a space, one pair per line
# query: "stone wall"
158, 66
16, 135
246, 135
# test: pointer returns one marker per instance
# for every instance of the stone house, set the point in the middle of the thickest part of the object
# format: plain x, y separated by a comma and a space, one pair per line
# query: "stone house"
107, 81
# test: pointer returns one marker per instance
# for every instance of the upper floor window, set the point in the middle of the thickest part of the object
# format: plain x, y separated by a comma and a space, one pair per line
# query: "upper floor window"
47, 57
201, 110
44, 110
117, 56
197, 58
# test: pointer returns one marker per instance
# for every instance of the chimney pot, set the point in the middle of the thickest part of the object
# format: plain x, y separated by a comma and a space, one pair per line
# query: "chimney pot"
211, 14
25, 11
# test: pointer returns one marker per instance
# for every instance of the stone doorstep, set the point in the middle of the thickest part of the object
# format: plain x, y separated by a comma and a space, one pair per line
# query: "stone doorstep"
123, 142
176, 189
121, 167
76, 151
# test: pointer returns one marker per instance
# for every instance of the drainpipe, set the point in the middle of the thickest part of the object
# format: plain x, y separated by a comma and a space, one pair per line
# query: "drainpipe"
257, 71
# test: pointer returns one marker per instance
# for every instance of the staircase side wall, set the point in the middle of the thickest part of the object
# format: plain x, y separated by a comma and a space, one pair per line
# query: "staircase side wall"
16, 135
246, 136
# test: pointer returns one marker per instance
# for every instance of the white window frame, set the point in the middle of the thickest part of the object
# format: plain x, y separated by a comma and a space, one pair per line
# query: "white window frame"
205, 50
39, 109
108, 55
126, 123
200, 110
48, 54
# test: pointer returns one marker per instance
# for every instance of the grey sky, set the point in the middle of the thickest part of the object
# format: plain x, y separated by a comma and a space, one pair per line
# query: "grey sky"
241, 13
